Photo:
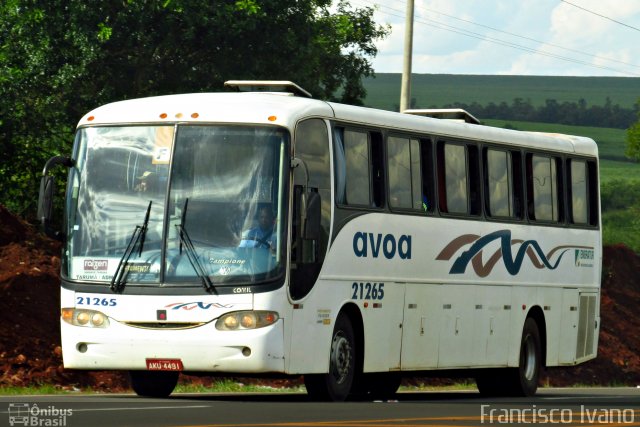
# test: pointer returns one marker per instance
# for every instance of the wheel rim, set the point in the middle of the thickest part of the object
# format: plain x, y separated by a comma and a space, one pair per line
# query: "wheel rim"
340, 357
530, 358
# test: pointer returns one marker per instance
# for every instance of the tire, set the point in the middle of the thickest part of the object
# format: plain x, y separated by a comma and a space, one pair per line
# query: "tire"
153, 384
525, 381
520, 381
336, 385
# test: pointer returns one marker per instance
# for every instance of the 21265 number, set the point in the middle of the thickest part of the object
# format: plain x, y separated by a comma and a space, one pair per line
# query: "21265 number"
367, 290
111, 302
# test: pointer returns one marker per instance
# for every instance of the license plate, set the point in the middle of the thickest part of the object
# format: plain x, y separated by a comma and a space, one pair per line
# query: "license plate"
164, 365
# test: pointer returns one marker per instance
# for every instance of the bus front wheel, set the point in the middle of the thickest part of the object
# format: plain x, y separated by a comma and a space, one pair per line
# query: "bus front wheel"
153, 384
336, 385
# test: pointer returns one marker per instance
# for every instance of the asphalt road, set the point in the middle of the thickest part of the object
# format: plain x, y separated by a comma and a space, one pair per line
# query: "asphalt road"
571, 407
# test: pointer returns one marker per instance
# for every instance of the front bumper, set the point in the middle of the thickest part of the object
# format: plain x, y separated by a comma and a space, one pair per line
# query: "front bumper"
200, 349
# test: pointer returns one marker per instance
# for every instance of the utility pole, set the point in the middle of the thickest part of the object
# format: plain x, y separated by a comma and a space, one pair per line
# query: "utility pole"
405, 91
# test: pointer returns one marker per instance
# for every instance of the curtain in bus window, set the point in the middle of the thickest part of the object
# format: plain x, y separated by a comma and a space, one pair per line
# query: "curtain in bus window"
456, 178
544, 191
416, 177
579, 191
340, 165
120, 172
399, 157
226, 199
356, 148
499, 182
227, 174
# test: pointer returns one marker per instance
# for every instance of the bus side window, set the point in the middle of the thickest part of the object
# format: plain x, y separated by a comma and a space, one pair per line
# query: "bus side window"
360, 177
455, 178
458, 178
356, 152
400, 172
543, 188
577, 189
503, 183
582, 191
407, 187
499, 183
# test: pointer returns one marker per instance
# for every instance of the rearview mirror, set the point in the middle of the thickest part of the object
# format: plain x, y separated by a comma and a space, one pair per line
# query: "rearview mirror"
46, 195
45, 199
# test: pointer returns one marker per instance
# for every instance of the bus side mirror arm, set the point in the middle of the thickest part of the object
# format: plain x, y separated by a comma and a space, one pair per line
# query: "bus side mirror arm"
312, 212
46, 195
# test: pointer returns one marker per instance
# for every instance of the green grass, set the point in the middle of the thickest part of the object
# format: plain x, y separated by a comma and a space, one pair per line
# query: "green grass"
221, 386
621, 211
612, 170
34, 390
622, 226
437, 90
231, 386
463, 385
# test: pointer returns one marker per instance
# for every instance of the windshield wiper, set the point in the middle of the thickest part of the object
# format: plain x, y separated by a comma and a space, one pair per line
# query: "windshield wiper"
192, 255
139, 234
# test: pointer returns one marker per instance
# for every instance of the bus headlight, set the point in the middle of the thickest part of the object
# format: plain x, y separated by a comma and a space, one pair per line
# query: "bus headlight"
87, 318
241, 320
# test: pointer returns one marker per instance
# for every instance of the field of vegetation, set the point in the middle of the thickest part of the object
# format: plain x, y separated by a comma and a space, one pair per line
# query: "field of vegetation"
437, 90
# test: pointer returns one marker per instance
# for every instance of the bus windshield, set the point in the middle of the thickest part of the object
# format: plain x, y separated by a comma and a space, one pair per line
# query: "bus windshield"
213, 196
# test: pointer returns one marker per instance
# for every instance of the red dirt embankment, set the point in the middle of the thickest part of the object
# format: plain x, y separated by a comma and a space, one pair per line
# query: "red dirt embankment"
30, 330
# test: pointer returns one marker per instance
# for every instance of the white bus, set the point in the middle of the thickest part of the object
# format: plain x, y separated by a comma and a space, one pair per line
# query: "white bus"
264, 233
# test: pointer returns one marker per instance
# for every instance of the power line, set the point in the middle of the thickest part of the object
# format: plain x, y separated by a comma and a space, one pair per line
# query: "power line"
590, 55
601, 16
471, 34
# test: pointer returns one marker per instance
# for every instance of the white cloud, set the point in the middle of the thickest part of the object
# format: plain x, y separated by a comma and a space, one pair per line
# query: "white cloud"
456, 37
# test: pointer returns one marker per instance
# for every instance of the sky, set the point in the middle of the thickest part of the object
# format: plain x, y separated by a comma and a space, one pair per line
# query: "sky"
518, 37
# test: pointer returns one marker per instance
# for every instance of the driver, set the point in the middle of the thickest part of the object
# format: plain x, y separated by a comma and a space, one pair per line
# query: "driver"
263, 235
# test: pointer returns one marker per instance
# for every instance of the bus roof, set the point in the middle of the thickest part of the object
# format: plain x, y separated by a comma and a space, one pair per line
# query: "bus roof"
284, 110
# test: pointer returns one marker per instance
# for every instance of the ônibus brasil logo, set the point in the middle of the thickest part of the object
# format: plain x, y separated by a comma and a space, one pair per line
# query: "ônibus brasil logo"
512, 261
27, 414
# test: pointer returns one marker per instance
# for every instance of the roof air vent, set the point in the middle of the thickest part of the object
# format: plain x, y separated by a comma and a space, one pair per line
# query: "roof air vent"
273, 86
456, 114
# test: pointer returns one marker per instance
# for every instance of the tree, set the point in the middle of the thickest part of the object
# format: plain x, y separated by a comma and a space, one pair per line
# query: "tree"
633, 139
60, 58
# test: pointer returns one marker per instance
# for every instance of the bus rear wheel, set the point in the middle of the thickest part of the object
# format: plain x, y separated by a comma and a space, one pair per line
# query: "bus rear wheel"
525, 382
520, 381
153, 384
336, 385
